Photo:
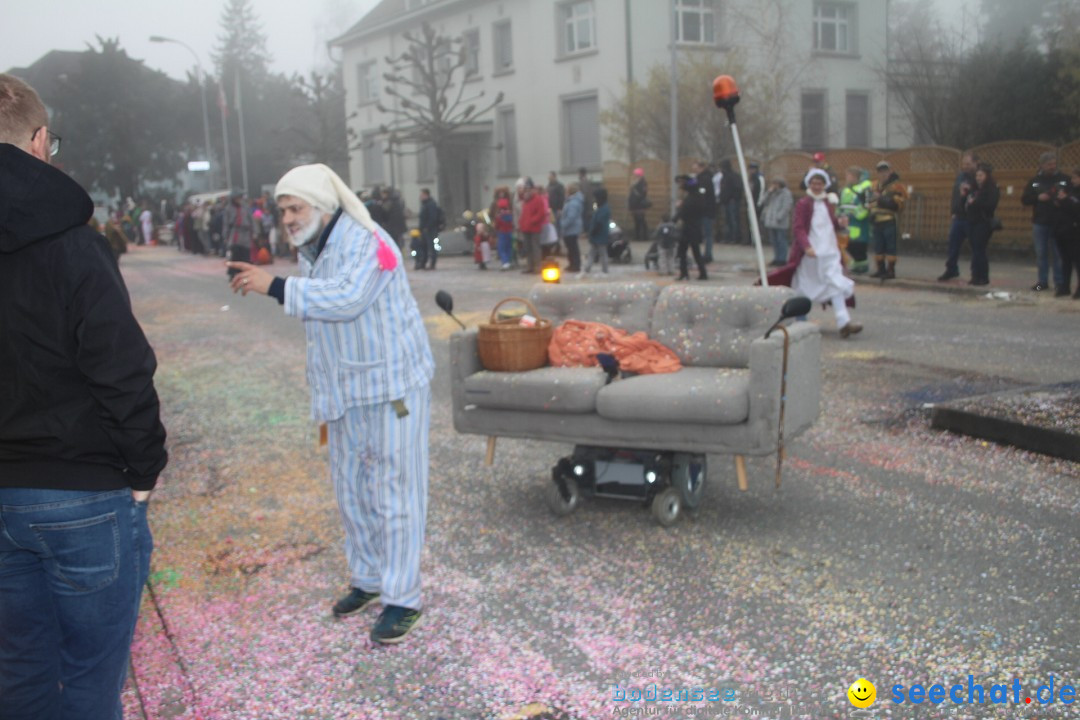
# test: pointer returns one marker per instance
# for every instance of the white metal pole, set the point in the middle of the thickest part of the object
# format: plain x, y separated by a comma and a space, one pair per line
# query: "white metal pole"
751, 211
673, 101
223, 106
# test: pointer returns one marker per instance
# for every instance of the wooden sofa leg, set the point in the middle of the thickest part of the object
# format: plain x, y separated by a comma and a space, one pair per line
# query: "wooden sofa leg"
740, 472
489, 459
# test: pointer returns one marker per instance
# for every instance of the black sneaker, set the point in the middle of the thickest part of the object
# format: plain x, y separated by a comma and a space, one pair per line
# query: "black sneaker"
948, 275
394, 623
356, 601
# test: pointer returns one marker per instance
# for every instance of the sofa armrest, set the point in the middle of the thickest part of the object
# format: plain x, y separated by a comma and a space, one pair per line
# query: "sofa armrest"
464, 361
803, 401
464, 357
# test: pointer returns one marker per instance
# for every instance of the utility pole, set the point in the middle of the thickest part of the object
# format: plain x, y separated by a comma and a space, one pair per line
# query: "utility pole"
240, 120
199, 76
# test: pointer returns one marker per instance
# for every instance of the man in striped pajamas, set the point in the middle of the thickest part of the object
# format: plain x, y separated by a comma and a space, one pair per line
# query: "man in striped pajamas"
370, 367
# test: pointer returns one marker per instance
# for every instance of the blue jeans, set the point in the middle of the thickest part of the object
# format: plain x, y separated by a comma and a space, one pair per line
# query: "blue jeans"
731, 223
958, 231
885, 238
779, 239
72, 567
506, 248
1044, 243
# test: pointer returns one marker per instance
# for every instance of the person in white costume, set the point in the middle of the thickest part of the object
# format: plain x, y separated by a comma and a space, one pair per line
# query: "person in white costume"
819, 272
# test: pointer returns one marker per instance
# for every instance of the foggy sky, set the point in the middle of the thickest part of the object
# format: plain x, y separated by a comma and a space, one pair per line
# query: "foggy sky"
296, 31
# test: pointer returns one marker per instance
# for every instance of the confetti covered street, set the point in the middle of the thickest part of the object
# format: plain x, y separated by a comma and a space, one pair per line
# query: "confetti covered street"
893, 552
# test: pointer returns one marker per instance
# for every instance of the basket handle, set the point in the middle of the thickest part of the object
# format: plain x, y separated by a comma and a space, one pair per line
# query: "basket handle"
532, 308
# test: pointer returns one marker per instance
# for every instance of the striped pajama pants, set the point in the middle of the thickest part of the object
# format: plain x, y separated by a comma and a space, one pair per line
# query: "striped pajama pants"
379, 465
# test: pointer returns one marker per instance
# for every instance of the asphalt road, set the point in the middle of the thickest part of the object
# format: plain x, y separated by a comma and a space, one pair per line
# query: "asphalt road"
893, 552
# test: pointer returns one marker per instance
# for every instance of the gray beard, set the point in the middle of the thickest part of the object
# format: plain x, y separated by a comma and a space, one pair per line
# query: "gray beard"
307, 233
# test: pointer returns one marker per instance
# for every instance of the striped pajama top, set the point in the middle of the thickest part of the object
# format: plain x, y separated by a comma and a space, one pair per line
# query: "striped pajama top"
366, 341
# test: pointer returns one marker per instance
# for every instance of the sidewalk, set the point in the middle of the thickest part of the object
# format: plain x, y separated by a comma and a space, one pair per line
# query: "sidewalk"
920, 272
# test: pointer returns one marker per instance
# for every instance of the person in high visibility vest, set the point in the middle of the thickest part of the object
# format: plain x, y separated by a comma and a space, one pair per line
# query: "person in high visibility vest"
853, 197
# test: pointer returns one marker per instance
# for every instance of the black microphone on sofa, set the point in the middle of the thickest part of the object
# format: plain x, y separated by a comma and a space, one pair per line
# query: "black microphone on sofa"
444, 300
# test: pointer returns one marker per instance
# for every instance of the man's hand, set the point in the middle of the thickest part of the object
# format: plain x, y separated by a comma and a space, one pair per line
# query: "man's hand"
1044, 197
140, 495
810, 252
249, 278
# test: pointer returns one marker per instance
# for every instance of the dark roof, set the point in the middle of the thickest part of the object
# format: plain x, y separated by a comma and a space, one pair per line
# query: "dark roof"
48, 71
50, 74
384, 12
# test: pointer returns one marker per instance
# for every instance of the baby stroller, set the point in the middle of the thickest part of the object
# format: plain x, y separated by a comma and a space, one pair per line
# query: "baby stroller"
618, 246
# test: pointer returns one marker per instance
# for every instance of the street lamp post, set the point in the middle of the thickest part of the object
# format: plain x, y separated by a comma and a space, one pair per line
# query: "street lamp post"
202, 92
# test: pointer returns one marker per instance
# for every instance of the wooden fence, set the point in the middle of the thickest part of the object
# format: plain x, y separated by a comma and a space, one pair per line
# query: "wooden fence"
928, 171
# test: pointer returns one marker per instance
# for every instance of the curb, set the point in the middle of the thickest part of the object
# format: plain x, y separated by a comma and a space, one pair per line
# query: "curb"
934, 286
970, 421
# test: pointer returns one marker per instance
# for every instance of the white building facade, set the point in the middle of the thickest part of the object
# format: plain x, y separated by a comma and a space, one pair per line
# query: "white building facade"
559, 63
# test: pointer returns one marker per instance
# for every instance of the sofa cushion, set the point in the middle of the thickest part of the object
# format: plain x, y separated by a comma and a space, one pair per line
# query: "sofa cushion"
714, 326
714, 396
565, 390
624, 305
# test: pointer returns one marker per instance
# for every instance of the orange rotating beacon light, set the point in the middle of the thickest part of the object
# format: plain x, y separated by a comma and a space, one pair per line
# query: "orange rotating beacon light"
726, 94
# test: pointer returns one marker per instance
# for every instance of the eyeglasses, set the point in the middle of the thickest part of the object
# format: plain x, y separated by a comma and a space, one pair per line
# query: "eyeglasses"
54, 141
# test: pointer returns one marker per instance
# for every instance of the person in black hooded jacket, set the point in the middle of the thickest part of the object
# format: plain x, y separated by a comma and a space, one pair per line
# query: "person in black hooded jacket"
693, 208
81, 441
1067, 229
1039, 195
979, 203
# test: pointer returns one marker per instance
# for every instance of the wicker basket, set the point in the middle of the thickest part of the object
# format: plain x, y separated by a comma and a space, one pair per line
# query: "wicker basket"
509, 346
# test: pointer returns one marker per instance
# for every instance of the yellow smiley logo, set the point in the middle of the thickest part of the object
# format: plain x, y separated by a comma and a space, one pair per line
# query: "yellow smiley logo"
862, 693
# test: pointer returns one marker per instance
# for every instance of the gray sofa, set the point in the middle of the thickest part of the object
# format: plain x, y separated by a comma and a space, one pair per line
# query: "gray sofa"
726, 398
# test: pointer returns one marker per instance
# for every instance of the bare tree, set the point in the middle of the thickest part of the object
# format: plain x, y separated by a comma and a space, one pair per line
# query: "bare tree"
1062, 38
960, 91
923, 68
1012, 21
766, 86
427, 83
322, 125
643, 112
779, 71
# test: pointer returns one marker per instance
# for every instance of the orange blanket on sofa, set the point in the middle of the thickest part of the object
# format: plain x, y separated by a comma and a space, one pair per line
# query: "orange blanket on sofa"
575, 344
